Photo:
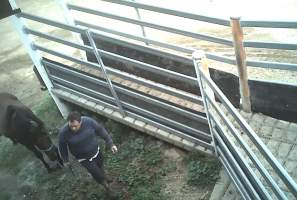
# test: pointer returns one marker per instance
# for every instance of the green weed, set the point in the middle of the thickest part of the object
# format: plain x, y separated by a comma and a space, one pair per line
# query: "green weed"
48, 112
202, 171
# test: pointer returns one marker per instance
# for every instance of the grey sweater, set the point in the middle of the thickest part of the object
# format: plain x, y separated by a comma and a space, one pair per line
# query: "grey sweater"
83, 144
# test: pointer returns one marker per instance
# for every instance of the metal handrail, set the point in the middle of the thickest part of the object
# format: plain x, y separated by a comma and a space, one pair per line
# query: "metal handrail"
246, 148
134, 94
253, 136
126, 76
269, 24
187, 15
137, 38
283, 174
252, 63
152, 25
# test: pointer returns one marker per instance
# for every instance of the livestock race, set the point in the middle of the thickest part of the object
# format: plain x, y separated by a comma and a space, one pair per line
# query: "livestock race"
148, 100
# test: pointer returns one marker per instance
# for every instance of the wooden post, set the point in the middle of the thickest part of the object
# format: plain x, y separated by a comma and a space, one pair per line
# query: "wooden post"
241, 63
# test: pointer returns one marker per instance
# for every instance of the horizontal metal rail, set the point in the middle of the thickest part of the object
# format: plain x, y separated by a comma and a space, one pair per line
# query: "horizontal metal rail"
152, 25
75, 73
247, 149
93, 65
137, 38
100, 95
82, 95
178, 58
187, 15
150, 68
82, 88
135, 63
269, 24
272, 65
58, 40
148, 49
287, 179
136, 95
167, 106
164, 88
138, 64
218, 21
270, 45
126, 76
51, 22
186, 60
169, 121
117, 41
137, 109
220, 58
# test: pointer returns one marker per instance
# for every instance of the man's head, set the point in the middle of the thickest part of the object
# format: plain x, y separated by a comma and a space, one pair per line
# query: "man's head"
74, 121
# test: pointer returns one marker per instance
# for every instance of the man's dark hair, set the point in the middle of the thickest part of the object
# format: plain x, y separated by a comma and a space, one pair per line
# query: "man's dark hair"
74, 116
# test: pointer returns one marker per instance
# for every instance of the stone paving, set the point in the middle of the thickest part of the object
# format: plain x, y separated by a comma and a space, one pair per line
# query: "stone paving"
280, 138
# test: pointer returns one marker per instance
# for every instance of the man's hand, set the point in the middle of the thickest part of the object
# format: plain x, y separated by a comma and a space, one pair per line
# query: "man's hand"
114, 148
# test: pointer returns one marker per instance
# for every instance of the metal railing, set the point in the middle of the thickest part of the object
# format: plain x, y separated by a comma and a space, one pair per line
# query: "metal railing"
207, 19
112, 99
238, 158
238, 42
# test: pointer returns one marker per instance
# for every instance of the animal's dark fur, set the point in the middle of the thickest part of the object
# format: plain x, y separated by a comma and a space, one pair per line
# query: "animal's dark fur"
21, 125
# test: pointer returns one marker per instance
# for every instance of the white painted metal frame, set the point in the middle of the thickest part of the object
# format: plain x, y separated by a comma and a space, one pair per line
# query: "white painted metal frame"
35, 56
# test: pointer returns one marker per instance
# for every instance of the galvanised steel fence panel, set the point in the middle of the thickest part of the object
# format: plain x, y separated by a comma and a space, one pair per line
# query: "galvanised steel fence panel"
227, 136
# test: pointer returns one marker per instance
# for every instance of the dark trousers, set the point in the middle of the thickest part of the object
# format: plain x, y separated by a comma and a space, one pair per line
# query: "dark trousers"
95, 168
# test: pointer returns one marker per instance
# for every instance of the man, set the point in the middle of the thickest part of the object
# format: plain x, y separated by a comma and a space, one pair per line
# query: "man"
79, 136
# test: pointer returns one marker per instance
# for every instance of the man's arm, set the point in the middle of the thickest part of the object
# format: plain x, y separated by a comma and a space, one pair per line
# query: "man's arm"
63, 147
101, 132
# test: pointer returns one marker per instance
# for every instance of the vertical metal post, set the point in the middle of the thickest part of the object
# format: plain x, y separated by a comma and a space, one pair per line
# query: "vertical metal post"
200, 61
139, 18
241, 63
69, 20
36, 57
99, 60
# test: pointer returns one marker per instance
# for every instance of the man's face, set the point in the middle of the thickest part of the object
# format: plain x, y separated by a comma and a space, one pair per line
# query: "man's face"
74, 125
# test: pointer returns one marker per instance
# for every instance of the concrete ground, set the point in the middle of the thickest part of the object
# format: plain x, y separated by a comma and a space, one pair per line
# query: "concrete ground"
16, 74
281, 139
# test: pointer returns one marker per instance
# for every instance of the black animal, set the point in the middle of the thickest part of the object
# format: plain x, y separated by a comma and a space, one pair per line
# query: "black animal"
18, 123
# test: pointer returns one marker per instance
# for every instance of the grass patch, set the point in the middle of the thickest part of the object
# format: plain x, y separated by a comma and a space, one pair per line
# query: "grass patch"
136, 166
48, 112
202, 171
12, 156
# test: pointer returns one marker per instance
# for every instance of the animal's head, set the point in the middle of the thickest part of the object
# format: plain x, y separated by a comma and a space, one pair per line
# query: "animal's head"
27, 127
44, 144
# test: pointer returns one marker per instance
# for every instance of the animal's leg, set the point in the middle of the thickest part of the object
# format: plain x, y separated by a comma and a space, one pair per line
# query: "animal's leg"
39, 155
